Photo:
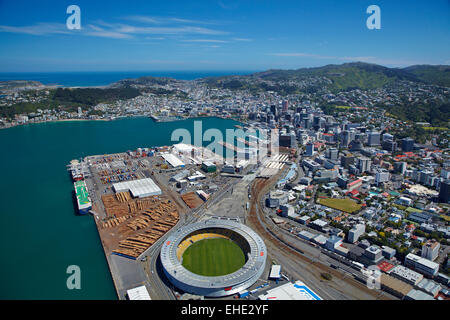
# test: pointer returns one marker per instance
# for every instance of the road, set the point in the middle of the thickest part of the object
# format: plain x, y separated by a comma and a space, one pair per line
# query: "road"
297, 264
159, 287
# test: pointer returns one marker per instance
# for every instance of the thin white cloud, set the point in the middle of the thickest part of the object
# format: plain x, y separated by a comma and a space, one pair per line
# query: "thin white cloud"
37, 29
301, 54
117, 31
205, 40
108, 34
143, 19
241, 39
167, 30
165, 20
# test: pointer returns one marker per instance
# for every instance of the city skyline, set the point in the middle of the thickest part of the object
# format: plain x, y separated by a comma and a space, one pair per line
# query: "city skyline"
219, 36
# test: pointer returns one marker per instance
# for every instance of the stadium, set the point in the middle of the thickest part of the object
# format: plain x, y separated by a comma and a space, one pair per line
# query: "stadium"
213, 258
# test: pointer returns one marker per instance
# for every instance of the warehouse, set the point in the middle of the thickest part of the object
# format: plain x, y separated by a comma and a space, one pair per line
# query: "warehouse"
173, 160
208, 166
139, 188
180, 176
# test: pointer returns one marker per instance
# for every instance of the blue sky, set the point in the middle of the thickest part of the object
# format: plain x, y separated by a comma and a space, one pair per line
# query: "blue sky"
136, 35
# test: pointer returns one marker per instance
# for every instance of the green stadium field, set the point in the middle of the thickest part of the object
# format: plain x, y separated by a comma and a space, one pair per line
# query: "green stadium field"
213, 257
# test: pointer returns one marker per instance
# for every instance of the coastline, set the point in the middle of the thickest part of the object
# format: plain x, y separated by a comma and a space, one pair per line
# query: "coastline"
108, 261
119, 118
49, 121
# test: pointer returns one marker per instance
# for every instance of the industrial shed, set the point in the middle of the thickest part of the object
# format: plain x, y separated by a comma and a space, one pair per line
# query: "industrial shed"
173, 160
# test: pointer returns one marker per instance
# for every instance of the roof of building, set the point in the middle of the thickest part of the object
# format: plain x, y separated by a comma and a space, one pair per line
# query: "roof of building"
320, 223
422, 261
406, 273
321, 239
395, 284
138, 188
429, 286
307, 235
290, 291
418, 295
275, 272
385, 266
138, 293
173, 160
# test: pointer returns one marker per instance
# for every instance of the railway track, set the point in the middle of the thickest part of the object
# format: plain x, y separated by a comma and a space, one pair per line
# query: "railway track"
276, 242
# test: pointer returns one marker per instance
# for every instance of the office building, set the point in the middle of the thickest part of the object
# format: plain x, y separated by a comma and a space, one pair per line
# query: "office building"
444, 191
373, 254
407, 144
309, 149
382, 176
363, 164
356, 232
430, 250
373, 138
422, 265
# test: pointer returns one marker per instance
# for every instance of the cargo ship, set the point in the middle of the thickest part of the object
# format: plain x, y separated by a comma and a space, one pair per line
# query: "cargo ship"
78, 170
82, 195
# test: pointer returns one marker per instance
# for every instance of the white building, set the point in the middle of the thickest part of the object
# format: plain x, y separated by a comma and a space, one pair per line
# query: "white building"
430, 250
382, 176
290, 291
422, 265
140, 188
356, 232
173, 160
405, 274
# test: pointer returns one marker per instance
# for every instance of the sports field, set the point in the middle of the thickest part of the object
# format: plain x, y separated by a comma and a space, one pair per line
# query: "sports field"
213, 257
346, 205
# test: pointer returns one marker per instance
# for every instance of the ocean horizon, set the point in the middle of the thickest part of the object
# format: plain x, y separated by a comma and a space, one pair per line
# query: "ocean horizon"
104, 78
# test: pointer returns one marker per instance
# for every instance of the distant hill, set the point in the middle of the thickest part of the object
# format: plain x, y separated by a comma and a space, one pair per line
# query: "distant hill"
439, 75
6, 86
347, 76
142, 81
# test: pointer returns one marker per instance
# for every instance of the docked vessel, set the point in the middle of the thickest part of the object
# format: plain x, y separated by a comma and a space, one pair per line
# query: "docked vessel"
78, 170
83, 200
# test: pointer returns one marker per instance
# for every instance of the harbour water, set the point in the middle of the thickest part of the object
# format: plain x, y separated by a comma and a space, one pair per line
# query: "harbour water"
39, 232
85, 79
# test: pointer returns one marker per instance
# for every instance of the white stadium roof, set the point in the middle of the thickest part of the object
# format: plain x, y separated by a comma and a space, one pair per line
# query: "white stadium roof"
290, 291
139, 188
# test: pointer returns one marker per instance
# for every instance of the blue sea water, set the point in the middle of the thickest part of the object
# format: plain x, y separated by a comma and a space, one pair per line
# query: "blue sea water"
40, 233
88, 79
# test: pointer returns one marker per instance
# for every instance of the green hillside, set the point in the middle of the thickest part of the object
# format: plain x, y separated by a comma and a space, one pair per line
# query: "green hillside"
439, 75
